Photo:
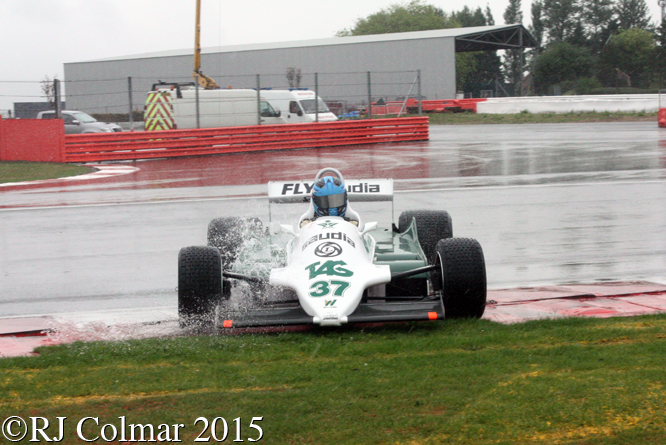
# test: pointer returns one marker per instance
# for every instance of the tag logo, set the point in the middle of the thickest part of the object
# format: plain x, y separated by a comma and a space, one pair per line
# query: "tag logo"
330, 268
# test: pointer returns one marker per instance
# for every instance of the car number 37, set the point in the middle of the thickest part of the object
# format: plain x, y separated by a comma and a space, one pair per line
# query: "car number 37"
324, 288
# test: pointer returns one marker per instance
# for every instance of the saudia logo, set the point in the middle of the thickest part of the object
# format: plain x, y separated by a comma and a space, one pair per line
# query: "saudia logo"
363, 187
328, 236
303, 188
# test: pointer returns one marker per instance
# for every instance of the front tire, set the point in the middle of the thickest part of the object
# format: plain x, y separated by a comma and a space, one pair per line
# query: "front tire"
461, 277
199, 285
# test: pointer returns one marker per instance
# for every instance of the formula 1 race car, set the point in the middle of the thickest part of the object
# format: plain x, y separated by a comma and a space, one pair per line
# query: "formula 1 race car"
330, 271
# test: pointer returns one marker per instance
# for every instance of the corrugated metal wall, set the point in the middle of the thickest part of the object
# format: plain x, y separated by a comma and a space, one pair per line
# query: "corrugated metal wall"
101, 87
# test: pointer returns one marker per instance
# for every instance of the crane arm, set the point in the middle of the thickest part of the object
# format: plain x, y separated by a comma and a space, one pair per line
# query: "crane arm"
203, 80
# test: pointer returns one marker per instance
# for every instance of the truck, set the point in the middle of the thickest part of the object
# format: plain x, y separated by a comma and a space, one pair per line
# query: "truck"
173, 106
78, 122
299, 105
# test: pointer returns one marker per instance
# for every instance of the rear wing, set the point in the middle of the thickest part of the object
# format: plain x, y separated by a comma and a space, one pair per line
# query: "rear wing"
357, 190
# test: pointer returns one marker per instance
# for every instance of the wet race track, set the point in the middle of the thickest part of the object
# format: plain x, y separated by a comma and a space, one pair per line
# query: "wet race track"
551, 204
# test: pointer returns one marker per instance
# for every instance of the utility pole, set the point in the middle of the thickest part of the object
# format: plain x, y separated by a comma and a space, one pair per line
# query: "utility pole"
662, 3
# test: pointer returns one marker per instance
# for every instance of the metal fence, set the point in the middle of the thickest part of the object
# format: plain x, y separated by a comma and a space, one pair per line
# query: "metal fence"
344, 93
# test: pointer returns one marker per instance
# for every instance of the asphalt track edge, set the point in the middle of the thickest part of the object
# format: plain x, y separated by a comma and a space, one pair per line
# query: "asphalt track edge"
19, 336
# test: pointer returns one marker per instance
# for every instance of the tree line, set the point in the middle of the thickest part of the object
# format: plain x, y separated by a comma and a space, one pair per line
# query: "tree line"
583, 46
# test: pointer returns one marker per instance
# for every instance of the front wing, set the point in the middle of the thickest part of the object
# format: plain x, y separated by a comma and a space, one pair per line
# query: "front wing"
364, 313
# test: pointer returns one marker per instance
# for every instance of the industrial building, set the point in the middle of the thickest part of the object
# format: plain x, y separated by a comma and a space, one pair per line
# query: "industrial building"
349, 70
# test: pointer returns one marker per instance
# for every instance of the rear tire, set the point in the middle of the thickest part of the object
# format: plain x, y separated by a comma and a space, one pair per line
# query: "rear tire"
461, 277
431, 226
199, 285
227, 235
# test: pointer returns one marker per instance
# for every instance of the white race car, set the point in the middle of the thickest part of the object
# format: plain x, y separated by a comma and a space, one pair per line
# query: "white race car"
330, 271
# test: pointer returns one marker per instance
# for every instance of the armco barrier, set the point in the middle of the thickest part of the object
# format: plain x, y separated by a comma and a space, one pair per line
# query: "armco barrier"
661, 117
433, 106
39, 140
208, 141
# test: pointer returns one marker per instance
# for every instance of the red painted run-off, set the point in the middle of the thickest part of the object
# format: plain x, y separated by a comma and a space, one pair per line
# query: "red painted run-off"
19, 336
173, 143
662, 117
576, 300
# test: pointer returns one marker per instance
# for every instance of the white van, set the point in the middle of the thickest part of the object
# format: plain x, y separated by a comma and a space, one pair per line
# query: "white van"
298, 105
176, 108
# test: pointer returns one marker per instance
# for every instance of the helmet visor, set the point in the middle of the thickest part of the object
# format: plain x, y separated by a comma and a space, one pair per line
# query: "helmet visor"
330, 201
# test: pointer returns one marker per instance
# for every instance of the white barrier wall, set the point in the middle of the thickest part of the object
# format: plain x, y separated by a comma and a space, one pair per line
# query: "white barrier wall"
566, 104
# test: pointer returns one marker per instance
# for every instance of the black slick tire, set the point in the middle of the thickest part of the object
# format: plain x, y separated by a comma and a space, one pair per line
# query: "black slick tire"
228, 233
199, 285
461, 277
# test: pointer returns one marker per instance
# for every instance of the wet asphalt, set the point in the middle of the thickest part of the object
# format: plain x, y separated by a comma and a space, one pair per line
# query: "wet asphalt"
549, 203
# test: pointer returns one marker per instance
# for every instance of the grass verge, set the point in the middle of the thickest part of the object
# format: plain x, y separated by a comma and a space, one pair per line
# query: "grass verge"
569, 381
538, 118
18, 171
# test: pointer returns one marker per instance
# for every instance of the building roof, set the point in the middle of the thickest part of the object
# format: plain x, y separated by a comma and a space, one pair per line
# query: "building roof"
502, 37
480, 38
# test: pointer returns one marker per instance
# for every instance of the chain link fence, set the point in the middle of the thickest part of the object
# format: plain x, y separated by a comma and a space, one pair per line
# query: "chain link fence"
122, 99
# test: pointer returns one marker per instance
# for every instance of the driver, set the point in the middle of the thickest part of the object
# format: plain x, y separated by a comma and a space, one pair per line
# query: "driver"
329, 198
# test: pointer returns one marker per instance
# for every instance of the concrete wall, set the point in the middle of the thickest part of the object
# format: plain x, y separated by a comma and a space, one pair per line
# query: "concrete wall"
565, 104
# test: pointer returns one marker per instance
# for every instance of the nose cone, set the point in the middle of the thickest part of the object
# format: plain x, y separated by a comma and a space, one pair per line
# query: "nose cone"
330, 270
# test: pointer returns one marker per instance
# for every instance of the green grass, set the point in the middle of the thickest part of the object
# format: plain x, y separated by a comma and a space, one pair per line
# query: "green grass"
570, 381
18, 171
538, 118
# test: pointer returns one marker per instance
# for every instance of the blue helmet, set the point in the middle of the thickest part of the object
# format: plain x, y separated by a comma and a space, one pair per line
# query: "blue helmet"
329, 197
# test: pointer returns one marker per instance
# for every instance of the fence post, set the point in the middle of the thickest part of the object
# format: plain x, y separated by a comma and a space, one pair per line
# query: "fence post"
196, 99
56, 96
522, 76
131, 107
258, 99
418, 76
316, 98
661, 114
369, 97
